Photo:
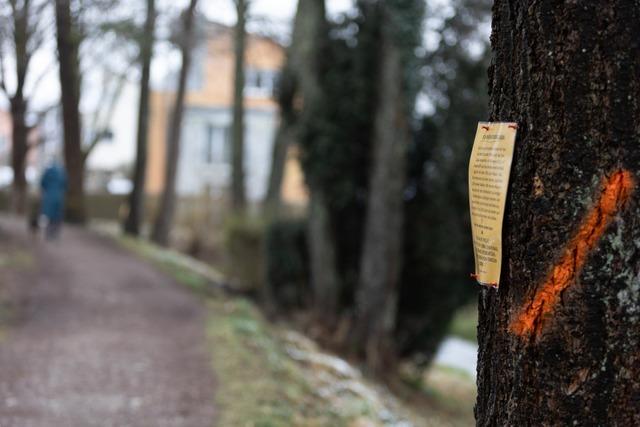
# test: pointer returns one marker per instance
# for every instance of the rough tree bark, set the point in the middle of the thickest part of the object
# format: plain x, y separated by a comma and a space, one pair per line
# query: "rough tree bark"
238, 197
381, 262
68, 38
166, 210
559, 340
136, 198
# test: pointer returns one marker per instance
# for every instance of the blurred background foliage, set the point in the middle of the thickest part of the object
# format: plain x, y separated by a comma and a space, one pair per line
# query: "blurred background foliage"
450, 74
443, 52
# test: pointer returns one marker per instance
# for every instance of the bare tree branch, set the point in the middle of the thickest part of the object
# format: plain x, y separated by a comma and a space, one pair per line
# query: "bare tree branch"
3, 81
40, 117
104, 129
21, 37
24, 27
38, 29
52, 65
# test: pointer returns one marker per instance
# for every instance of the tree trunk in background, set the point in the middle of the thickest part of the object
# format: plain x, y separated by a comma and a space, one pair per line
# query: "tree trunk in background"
310, 32
68, 39
325, 282
19, 150
307, 31
285, 136
166, 211
136, 198
238, 197
380, 268
281, 145
22, 36
559, 340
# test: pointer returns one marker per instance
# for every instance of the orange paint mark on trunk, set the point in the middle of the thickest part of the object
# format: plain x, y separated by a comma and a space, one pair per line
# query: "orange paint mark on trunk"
615, 192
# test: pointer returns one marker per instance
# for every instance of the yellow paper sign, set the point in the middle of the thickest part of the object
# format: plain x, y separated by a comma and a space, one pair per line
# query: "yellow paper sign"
489, 170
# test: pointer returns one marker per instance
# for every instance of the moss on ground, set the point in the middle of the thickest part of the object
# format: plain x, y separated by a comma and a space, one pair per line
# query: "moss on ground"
259, 385
186, 271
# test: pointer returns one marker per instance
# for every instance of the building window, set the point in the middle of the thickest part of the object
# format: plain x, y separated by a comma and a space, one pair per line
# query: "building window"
217, 145
262, 83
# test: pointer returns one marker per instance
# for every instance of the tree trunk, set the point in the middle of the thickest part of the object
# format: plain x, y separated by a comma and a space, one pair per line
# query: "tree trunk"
164, 219
278, 162
309, 34
325, 282
136, 198
305, 32
380, 267
287, 130
68, 44
238, 197
559, 340
19, 151
22, 38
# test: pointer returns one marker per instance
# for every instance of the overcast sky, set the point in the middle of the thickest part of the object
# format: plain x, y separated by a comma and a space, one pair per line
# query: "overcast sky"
281, 10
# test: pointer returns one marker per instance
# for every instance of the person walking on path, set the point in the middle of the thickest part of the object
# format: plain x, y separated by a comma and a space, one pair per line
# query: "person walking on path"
54, 187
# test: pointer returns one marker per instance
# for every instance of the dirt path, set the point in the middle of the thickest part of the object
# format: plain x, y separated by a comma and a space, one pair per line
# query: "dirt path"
104, 340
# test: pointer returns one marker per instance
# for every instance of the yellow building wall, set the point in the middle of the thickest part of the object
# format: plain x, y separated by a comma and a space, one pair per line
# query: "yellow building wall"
294, 190
260, 53
217, 91
159, 107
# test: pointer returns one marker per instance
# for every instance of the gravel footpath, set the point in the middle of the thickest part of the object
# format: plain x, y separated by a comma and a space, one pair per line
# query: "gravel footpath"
104, 339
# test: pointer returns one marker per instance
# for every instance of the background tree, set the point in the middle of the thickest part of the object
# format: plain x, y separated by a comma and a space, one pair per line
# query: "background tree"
381, 264
337, 145
69, 37
437, 247
81, 28
335, 138
166, 211
24, 25
302, 97
238, 197
560, 338
284, 136
287, 90
136, 198
322, 251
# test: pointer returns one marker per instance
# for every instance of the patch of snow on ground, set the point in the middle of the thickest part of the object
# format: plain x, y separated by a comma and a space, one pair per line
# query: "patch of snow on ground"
458, 353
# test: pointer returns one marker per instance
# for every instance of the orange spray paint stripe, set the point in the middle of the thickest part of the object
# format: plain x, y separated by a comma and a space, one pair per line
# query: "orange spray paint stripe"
616, 190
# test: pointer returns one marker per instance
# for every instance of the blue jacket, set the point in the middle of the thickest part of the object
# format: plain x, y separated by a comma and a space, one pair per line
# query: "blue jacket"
54, 186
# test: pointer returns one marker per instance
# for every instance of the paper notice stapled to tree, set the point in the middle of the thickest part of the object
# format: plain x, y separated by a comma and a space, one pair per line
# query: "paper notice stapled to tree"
489, 170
